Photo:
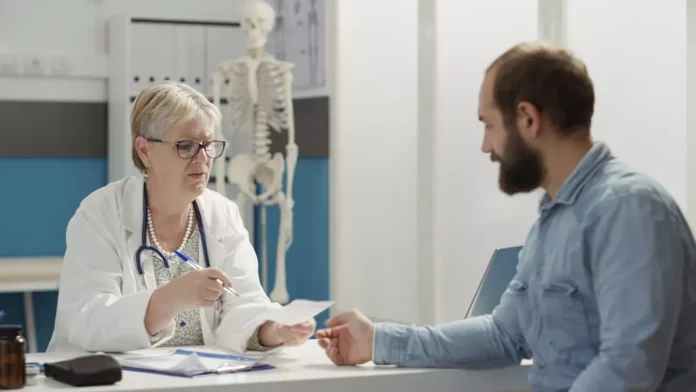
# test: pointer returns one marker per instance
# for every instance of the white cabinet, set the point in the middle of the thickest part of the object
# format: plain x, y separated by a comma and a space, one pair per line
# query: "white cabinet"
189, 55
152, 54
197, 74
222, 44
180, 62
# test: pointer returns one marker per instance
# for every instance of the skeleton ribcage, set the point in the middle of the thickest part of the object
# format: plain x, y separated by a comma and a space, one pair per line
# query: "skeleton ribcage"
270, 109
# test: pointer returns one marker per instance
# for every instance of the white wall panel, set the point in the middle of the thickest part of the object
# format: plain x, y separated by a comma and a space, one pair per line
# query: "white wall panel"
373, 158
636, 54
472, 216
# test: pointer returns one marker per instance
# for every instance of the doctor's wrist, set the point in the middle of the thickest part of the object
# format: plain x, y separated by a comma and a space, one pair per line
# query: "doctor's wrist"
161, 310
268, 335
166, 301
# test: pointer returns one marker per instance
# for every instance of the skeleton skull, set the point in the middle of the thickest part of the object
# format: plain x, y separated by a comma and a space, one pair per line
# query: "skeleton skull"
258, 18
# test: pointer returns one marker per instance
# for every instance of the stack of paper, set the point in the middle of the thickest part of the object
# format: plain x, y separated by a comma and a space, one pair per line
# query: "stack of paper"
187, 363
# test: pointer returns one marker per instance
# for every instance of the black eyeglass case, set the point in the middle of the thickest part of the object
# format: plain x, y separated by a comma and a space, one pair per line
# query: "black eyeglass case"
89, 370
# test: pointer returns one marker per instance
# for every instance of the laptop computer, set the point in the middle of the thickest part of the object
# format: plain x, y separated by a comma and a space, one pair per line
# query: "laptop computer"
500, 271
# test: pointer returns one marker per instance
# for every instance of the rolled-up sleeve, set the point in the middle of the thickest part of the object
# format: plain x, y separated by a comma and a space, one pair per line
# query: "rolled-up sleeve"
490, 340
638, 259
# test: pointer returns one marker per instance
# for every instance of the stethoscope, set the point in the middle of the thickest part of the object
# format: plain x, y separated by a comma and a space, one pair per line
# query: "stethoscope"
145, 246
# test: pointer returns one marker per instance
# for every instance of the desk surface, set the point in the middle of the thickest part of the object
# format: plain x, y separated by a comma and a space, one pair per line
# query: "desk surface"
306, 368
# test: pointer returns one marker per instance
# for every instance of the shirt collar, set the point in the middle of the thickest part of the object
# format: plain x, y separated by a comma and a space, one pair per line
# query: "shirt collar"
569, 191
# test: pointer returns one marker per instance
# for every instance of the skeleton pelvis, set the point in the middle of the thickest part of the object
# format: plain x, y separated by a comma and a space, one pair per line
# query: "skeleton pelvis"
244, 169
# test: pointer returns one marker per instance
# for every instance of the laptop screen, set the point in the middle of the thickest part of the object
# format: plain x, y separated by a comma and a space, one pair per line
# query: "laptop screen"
501, 269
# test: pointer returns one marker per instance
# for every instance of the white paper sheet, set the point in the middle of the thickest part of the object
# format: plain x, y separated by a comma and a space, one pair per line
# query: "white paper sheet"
297, 311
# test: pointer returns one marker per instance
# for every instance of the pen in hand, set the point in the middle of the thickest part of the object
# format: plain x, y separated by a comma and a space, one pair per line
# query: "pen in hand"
198, 267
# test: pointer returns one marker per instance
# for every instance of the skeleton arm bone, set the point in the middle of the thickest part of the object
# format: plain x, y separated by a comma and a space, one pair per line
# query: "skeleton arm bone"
291, 147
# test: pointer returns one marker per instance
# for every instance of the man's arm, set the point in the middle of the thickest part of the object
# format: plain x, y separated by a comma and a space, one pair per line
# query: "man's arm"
490, 340
638, 256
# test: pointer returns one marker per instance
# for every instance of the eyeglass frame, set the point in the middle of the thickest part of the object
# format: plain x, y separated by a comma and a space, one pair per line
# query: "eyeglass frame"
200, 145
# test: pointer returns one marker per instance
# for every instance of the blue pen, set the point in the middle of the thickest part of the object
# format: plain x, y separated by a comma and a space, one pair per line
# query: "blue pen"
198, 267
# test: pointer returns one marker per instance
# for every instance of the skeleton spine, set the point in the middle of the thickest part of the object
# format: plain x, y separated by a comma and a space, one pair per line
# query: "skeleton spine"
262, 136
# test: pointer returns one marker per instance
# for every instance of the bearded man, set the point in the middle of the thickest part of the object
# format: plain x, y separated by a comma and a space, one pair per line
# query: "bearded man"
604, 298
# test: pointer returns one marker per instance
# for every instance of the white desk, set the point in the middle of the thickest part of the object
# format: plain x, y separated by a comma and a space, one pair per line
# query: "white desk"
306, 368
27, 275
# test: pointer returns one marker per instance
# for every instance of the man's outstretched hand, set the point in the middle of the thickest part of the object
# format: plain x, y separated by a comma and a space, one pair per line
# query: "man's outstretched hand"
347, 339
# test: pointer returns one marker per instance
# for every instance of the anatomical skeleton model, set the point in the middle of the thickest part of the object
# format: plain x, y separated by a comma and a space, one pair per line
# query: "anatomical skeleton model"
259, 93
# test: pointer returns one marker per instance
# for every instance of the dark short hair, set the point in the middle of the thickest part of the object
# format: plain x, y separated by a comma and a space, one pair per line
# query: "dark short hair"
550, 78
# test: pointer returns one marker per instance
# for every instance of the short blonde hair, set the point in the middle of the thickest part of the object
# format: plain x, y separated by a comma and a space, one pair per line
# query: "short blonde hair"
166, 105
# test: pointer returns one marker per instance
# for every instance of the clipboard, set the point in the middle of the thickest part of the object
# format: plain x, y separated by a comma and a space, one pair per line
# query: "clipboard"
190, 364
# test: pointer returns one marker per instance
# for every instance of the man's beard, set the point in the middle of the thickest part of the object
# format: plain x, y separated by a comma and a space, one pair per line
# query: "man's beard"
521, 168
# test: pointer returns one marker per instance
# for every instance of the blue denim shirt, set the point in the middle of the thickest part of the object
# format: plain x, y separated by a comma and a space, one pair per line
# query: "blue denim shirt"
604, 298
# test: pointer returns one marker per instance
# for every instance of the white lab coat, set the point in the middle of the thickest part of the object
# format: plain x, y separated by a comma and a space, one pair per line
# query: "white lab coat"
102, 300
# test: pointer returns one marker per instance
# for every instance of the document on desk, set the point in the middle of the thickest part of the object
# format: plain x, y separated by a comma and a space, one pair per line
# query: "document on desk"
185, 363
297, 311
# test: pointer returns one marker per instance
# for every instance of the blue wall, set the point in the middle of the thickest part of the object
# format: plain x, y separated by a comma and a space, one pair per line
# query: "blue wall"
41, 195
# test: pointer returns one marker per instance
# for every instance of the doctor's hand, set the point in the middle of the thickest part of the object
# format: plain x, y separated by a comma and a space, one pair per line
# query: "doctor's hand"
197, 289
193, 290
272, 334
348, 338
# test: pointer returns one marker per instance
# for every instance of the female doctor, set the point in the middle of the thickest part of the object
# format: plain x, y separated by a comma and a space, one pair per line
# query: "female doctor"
123, 283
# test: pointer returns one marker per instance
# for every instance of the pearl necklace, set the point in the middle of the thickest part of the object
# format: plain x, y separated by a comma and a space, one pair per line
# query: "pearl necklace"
183, 242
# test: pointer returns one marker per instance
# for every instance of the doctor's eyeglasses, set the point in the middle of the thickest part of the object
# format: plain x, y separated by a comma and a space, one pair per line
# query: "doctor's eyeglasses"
188, 148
